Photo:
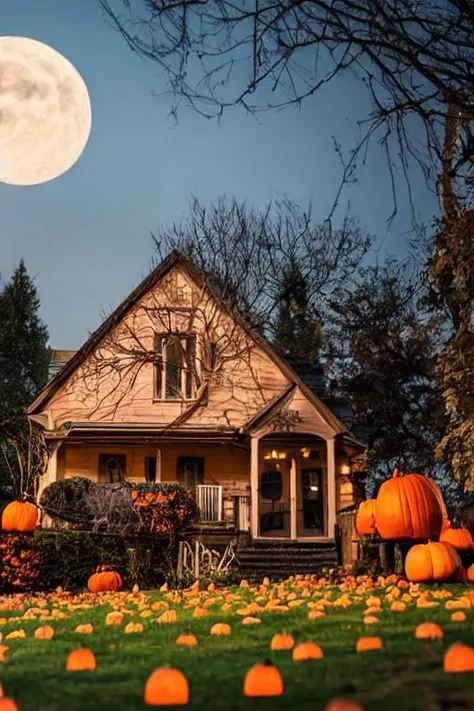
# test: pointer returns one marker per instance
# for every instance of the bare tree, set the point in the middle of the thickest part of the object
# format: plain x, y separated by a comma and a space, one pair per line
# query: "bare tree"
414, 58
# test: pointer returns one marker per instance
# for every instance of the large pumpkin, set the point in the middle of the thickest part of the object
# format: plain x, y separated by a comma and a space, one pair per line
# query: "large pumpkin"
432, 562
460, 538
365, 518
408, 507
104, 581
19, 516
439, 496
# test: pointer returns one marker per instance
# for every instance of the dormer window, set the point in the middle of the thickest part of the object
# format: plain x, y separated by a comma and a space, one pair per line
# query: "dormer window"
176, 372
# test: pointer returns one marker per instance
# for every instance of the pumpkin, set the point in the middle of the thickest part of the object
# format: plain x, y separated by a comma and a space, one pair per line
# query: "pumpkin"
166, 687
263, 680
44, 632
428, 630
343, 705
82, 659
408, 507
282, 641
459, 658
188, 640
460, 538
220, 628
458, 616
432, 562
19, 516
365, 518
470, 573
307, 650
104, 581
7, 704
368, 644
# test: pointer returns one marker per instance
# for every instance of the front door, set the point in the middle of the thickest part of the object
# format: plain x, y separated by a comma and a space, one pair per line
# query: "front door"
275, 498
311, 498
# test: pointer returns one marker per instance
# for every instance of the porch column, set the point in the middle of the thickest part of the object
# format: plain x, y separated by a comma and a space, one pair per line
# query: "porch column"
254, 476
331, 486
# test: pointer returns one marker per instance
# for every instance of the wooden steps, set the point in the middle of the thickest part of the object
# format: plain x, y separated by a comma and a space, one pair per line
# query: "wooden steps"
280, 559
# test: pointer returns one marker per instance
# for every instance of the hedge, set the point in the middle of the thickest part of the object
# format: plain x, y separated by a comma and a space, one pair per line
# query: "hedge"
68, 558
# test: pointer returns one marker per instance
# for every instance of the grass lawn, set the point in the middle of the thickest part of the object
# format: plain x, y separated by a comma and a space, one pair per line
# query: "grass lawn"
406, 676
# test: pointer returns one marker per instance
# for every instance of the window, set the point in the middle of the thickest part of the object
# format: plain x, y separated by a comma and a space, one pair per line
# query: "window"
176, 372
112, 467
150, 469
271, 485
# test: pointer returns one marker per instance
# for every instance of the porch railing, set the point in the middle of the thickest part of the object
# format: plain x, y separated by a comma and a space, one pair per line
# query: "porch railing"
209, 501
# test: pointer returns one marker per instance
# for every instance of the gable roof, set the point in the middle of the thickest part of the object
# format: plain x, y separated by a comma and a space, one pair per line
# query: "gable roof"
174, 259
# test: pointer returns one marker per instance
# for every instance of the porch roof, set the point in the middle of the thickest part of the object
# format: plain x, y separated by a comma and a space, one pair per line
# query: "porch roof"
109, 432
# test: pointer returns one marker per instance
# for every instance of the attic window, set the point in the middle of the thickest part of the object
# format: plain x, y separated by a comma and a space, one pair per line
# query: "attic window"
176, 372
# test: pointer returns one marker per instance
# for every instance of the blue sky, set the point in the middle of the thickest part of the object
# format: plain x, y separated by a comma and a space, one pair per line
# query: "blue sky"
85, 237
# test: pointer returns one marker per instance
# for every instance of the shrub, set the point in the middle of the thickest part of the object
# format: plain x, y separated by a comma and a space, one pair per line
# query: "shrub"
68, 558
19, 563
65, 500
164, 508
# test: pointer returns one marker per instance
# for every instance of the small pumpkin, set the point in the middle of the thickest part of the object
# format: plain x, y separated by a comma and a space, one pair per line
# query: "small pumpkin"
368, 644
166, 687
82, 659
470, 573
104, 581
365, 518
458, 616
187, 640
20, 516
44, 632
428, 630
432, 562
282, 640
459, 658
460, 538
220, 628
263, 680
343, 705
307, 650
408, 507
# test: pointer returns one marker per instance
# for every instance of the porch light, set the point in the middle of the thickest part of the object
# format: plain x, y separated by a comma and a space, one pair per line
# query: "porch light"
282, 455
345, 469
274, 454
313, 488
305, 451
267, 454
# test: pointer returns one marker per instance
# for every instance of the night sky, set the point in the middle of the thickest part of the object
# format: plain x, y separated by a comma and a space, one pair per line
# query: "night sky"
85, 237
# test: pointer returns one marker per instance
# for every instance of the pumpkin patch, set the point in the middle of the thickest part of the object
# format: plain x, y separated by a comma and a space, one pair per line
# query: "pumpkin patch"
217, 657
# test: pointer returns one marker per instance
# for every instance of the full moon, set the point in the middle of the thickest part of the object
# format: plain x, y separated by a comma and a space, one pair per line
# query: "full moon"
45, 112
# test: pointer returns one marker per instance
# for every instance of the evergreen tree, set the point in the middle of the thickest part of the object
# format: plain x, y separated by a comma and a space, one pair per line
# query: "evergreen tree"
23, 370
297, 333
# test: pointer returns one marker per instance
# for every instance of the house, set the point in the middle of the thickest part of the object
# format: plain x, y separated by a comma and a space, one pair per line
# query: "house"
175, 386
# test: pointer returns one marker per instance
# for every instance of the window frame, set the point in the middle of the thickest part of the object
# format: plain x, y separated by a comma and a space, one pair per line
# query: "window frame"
160, 368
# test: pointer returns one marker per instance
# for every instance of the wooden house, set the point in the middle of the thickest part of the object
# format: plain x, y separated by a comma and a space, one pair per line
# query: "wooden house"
176, 386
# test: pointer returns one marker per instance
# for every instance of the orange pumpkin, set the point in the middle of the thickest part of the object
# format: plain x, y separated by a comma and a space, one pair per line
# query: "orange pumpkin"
307, 650
428, 630
81, 660
407, 507
365, 518
460, 538
166, 687
470, 573
459, 658
104, 581
263, 680
343, 705
432, 562
19, 516
7, 704
282, 640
